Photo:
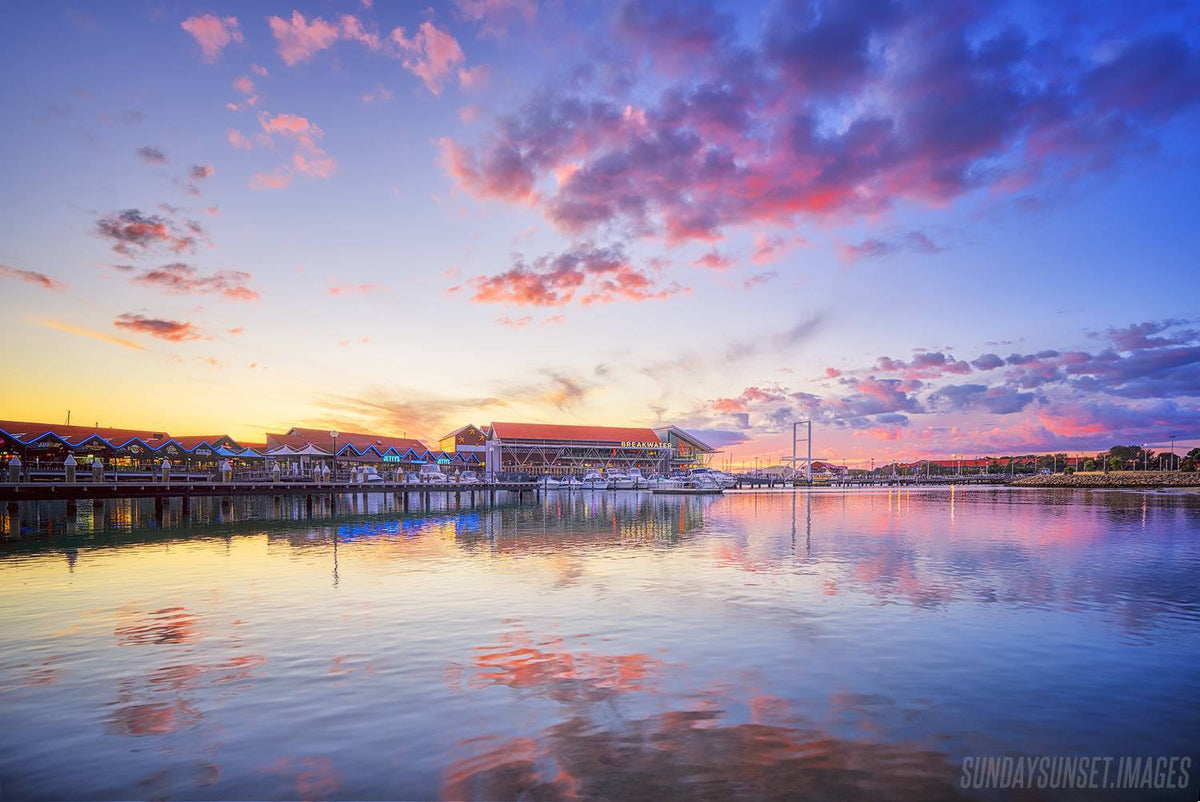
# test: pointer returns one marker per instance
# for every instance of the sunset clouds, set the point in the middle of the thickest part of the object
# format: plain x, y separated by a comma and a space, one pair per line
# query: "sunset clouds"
171, 330
179, 278
920, 225
213, 33
839, 113
595, 275
134, 233
1052, 399
31, 277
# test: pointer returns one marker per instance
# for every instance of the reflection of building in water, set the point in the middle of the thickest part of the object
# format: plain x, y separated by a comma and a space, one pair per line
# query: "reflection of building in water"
568, 519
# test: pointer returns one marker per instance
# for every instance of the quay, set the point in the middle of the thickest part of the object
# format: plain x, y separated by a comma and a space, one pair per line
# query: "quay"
11, 494
750, 482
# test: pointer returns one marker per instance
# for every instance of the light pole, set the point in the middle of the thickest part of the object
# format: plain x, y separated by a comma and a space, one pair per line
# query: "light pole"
333, 435
1145, 458
1173, 463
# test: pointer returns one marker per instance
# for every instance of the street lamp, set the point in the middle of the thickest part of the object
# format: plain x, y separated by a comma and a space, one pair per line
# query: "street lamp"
333, 435
1173, 463
1145, 458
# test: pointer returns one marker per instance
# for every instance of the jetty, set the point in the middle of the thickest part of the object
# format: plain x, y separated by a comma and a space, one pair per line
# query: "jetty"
408, 494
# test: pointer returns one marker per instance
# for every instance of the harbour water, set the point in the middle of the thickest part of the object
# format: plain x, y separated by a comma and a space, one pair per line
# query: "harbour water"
856, 644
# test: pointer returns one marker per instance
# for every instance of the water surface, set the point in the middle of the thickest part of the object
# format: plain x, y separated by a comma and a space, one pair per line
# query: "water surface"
605, 645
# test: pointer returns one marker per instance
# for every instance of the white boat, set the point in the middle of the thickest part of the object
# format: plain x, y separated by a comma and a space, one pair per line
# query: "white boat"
571, 483
619, 480
712, 477
549, 483
430, 474
702, 480
594, 481
660, 482
639, 482
468, 478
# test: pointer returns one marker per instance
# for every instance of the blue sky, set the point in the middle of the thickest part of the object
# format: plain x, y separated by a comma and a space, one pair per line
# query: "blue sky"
523, 210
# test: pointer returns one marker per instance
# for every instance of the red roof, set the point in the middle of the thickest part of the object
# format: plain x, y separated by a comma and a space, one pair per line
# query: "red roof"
26, 431
560, 433
360, 440
190, 441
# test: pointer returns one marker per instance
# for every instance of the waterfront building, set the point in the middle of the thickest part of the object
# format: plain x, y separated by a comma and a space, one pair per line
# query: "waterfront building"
557, 449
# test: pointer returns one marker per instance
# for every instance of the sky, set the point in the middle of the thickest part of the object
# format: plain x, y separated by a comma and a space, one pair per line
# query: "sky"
931, 228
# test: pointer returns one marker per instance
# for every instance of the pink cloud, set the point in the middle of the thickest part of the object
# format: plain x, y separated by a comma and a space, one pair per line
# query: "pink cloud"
515, 323
212, 33
770, 249
595, 275
276, 179
495, 17
474, 77
31, 277
163, 329
179, 278
239, 140
299, 39
759, 279
356, 289
287, 124
431, 54
380, 94
714, 261
244, 85
133, 233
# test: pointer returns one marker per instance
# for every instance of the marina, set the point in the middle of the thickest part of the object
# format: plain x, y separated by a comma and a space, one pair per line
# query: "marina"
606, 644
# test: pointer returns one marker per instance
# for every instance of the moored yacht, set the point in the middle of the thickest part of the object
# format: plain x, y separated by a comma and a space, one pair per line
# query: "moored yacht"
549, 483
619, 480
594, 481
639, 482
708, 475
660, 482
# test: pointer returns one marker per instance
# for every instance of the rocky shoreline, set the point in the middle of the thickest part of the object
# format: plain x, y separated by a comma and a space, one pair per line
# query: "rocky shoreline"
1113, 479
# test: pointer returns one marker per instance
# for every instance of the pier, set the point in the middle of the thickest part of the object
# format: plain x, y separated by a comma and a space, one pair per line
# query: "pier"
11, 494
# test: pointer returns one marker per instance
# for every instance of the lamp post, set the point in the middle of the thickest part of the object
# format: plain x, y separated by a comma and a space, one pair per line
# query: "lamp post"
1173, 463
1145, 458
333, 435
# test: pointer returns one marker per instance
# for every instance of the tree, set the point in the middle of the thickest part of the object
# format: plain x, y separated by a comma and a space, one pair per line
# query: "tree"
1114, 463
1194, 455
1089, 465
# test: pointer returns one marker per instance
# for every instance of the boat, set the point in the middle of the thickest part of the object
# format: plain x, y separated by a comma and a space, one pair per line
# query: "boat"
549, 483
687, 491
594, 481
571, 483
619, 480
721, 478
430, 474
468, 478
703, 480
660, 482
639, 482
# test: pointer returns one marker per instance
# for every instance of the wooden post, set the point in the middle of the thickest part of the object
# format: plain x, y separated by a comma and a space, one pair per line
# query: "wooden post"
158, 509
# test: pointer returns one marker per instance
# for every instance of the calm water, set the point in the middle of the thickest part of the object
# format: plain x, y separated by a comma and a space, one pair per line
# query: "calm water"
608, 645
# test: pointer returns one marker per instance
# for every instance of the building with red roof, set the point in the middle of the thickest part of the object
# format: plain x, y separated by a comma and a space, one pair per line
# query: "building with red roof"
560, 449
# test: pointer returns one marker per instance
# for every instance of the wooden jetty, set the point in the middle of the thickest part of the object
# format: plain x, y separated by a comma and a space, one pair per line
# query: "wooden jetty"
11, 494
